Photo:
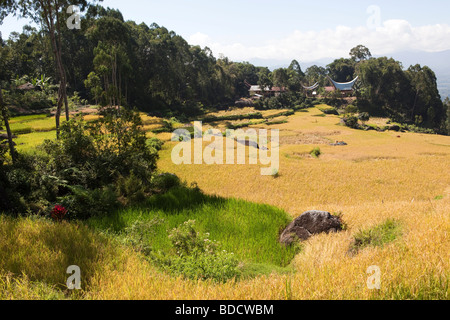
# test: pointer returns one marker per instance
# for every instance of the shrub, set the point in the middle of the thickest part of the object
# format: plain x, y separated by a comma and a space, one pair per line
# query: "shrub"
364, 117
85, 203
196, 256
351, 109
98, 153
332, 111
165, 181
316, 152
132, 188
58, 213
250, 116
85, 168
351, 121
377, 236
285, 100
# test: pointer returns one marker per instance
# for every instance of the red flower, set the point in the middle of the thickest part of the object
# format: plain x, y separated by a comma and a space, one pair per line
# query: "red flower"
58, 213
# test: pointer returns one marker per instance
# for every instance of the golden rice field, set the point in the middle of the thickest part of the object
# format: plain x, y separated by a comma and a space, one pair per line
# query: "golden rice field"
377, 176
405, 176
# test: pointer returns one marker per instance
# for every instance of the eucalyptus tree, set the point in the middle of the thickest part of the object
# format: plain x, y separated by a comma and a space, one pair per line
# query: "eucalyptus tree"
111, 61
295, 75
4, 115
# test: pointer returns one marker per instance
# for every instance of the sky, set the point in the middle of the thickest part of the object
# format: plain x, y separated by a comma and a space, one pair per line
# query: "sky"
284, 30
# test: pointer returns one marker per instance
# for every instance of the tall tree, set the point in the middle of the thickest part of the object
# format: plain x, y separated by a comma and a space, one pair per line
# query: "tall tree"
341, 70
446, 129
360, 53
280, 78
50, 14
385, 87
264, 79
295, 75
4, 114
316, 74
427, 101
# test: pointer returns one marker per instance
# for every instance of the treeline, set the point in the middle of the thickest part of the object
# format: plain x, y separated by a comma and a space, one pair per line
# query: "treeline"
386, 89
115, 62
110, 61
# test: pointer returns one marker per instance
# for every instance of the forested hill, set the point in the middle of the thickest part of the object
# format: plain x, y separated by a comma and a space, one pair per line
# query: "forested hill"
110, 61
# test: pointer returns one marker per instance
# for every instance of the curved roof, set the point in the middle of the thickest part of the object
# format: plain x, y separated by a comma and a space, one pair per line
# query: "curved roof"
347, 86
312, 87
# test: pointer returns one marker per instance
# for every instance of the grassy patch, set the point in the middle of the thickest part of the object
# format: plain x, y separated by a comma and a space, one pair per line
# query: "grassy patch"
250, 116
21, 288
250, 231
28, 142
328, 110
19, 119
28, 124
377, 236
35, 254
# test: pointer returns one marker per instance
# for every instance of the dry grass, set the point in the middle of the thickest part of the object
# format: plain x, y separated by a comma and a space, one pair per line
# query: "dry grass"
378, 176
414, 267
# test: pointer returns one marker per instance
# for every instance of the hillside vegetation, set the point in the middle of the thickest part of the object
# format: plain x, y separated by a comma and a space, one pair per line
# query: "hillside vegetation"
391, 189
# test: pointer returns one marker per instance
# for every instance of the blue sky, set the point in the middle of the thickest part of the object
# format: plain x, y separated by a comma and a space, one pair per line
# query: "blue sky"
269, 29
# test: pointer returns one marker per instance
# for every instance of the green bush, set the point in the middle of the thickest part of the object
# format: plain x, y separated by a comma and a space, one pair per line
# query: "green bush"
316, 152
30, 100
286, 100
132, 188
332, 111
377, 236
351, 121
196, 256
87, 169
351, 109
255, 115
85, 203
165, 181
364, 117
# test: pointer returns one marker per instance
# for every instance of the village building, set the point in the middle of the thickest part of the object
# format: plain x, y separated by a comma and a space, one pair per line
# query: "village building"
256, 90
311, 91
347, 88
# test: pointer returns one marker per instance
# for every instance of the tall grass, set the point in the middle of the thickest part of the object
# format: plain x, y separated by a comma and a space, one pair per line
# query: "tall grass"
35, 251
251, 231
378, 177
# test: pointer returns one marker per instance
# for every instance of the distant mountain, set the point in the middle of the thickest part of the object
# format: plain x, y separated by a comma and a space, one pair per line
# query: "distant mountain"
439, 62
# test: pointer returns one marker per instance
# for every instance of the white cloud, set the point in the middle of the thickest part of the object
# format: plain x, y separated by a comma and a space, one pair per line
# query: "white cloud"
391, 36
200, 39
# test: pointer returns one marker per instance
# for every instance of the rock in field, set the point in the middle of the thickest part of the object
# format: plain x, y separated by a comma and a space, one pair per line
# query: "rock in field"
309, 224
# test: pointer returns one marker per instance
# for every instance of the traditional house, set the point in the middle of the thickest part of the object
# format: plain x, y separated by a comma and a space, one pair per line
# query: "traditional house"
311, 91
346, 88
268, 91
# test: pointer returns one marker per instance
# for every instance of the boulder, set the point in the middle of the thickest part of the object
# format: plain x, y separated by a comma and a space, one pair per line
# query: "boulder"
308, 224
